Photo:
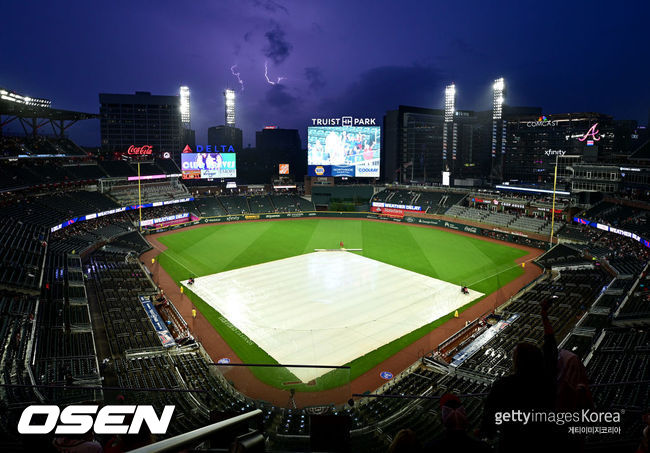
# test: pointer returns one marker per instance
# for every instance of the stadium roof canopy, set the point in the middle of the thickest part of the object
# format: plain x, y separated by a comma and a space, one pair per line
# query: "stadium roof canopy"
33, 117
642, 153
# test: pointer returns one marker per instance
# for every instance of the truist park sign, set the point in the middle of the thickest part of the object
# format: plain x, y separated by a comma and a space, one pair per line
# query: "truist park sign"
343, 121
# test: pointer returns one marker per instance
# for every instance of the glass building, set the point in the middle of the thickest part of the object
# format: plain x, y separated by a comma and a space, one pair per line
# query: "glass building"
141, 119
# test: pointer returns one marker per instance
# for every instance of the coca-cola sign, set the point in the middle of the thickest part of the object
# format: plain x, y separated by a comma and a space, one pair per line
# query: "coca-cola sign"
140, 150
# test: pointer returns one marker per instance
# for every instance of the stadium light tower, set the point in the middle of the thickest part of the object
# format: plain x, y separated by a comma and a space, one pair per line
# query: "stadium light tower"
449, 127
450, 102
12, 96
499, 89
229, 96
498, 129
185, 106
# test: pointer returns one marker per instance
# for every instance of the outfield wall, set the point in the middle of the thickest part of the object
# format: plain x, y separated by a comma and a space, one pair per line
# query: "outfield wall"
456, 226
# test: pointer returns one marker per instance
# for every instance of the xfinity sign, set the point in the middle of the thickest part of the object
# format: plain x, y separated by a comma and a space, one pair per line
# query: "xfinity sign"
80, 419
555, 152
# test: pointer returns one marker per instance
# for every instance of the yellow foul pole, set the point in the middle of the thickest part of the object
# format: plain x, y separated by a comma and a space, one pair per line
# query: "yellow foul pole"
139, 199
553, 208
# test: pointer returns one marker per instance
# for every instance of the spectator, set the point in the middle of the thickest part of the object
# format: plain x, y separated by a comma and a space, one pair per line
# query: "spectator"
572, 383
572, 393
81, 443
530, 388
455, 437
127, 442
644, 445
405, 441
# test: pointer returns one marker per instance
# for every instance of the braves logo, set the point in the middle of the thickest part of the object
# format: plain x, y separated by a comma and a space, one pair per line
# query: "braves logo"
592, 132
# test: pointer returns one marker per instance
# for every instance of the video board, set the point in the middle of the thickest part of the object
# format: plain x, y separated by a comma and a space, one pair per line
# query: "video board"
344, 151
208, 165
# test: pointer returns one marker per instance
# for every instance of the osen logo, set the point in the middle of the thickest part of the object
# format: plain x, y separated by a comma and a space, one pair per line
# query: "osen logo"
79, 419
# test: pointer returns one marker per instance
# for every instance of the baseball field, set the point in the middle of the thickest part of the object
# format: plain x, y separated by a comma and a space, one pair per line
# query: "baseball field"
457, 259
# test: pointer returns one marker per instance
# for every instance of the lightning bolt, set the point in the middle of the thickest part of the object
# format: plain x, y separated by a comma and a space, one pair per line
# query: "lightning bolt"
237, 74
266, 74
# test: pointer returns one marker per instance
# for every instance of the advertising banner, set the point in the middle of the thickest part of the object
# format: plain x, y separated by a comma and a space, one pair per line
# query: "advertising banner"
343, 170
482, 340
397, 215
346, 149
320, 170
208, 165
117, 210
388, 211
404, 207
165, 337
167, 220
614, 230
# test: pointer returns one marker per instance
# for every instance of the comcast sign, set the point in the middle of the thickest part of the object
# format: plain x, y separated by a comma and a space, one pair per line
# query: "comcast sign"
542, 121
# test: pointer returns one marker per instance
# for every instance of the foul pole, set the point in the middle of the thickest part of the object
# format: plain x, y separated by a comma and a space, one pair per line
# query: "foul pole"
139, 200
553, 206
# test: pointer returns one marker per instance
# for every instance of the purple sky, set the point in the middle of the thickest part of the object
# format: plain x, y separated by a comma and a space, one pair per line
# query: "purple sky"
337, 57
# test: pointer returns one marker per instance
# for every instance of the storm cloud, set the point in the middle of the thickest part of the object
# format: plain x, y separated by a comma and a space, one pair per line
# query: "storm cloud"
278, 48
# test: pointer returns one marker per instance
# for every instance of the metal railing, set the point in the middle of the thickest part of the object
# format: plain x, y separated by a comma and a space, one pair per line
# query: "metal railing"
193, 437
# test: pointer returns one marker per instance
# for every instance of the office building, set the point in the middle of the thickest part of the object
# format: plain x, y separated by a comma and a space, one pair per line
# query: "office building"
141, 119
225, 135
535, 143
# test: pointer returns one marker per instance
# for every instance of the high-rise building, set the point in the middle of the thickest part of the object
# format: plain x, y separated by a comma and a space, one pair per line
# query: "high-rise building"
413, 138
390, 146
419, 144
141, 119
535, 143
275, 140
225, 135
189, 138
274, 146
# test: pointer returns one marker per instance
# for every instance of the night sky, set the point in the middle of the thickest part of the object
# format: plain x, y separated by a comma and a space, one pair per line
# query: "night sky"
336, 57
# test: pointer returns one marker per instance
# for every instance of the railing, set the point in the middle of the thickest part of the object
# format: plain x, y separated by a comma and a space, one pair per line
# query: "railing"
193, 437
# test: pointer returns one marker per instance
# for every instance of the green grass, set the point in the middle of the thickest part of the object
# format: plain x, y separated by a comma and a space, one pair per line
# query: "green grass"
481, 265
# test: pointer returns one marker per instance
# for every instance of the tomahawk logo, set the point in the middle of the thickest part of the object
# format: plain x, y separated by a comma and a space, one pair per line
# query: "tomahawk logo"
81, 418
592, 132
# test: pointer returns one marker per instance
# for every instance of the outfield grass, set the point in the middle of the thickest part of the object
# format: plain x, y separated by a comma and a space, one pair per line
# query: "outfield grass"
483, 266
